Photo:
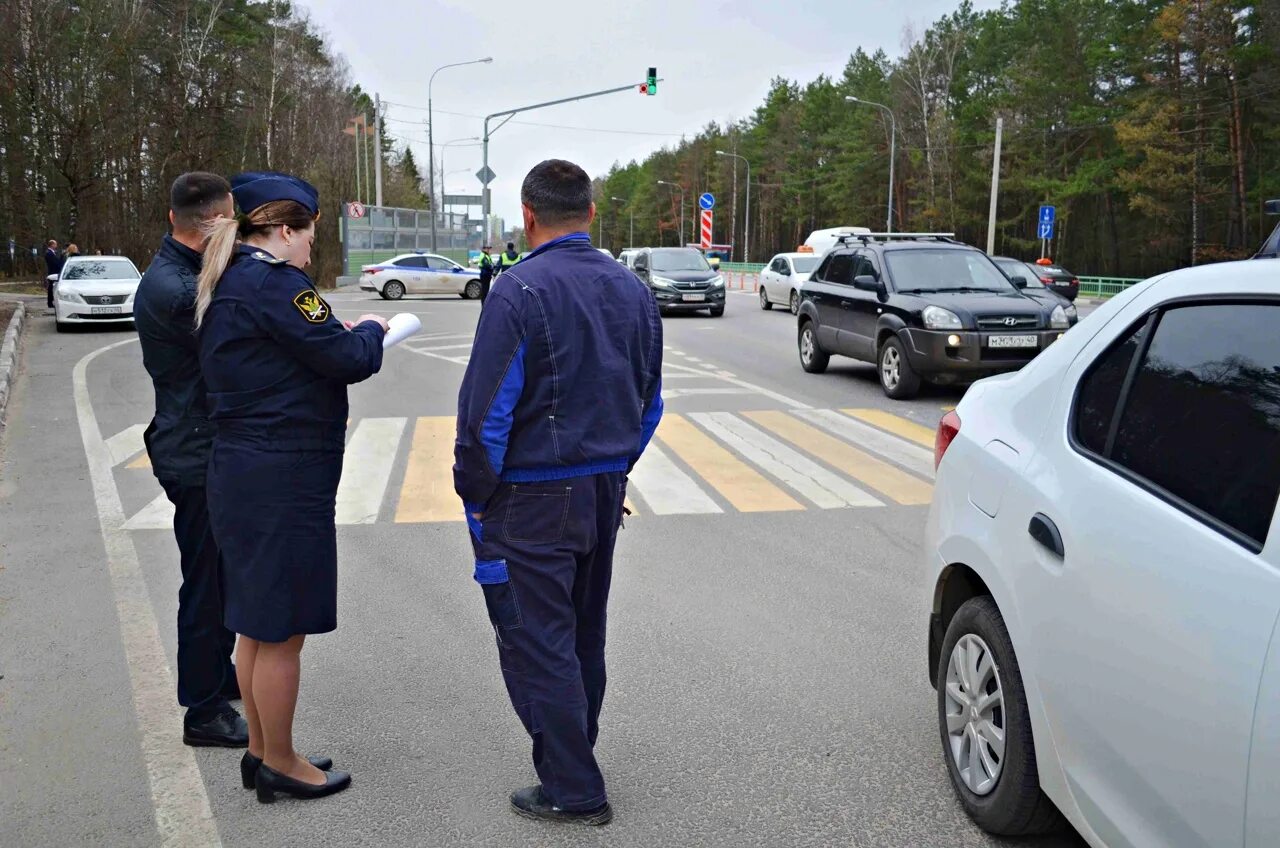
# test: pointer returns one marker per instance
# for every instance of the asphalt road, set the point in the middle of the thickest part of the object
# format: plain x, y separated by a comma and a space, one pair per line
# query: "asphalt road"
767, 641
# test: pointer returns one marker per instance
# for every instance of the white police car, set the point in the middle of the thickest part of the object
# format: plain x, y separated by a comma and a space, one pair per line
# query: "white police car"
420, 273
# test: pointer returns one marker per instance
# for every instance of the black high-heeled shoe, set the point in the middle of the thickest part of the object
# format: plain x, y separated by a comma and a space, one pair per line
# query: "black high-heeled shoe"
249, 765
269, 782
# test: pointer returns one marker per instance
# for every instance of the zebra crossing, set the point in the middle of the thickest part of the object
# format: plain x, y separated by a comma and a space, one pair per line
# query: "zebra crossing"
699, 463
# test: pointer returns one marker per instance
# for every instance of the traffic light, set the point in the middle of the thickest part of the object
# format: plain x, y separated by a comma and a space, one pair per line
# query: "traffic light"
650, 86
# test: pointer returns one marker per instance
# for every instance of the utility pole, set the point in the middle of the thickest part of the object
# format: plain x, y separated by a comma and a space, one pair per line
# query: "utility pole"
431, 147
746, 219
377, 149
995, 189
680, 242
893, 152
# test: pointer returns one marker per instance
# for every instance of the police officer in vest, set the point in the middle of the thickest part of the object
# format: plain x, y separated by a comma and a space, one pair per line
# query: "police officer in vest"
486, 271
277, 364
561, 395
508, 258
178, 442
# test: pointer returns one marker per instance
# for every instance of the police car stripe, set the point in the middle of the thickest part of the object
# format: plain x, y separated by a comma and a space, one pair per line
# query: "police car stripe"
665, 489
366, 469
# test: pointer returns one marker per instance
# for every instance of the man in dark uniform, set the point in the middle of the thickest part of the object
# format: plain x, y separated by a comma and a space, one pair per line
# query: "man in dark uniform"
486, 271
560, 398
53, 263
178, 442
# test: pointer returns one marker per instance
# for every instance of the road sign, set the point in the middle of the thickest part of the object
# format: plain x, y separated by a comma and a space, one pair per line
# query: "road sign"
706, 225
463, 200
355, 209
707, 201
1045, 230
1048, 214
486, 175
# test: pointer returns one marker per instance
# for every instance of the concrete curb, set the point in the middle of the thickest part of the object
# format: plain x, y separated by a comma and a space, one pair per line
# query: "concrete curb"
9, 357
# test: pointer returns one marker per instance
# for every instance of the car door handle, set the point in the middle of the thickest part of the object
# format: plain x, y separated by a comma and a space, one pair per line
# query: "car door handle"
1044, 531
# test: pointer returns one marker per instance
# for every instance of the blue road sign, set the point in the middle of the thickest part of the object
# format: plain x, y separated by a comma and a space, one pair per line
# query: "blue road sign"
707, 200
1045, 230
1048, 214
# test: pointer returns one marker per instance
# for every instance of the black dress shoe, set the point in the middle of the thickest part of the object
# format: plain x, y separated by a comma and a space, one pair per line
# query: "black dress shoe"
270, 781
532, 803
249, 767
227, 729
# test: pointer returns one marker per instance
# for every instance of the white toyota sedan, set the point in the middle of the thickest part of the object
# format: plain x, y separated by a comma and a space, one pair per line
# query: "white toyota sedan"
420, 273
781, 278
1103, 573
94, 290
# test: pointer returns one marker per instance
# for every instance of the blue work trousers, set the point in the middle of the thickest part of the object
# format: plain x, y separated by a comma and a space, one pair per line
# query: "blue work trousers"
544, 558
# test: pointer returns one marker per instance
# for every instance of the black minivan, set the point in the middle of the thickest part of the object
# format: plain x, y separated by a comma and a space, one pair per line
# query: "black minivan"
681, 280
921, 308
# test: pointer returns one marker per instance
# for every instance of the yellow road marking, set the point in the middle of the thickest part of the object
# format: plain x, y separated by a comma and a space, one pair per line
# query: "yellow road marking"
427, 493
143, 461
910, 430
739, 483
879, 475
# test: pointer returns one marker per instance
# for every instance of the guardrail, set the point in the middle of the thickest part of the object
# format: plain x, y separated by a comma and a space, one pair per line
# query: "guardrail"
1105, 286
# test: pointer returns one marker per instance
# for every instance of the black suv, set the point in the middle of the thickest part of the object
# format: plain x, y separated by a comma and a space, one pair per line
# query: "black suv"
922, 308
681, 280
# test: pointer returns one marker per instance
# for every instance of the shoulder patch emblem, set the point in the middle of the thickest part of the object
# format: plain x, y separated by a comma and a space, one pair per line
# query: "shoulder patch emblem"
312, 307
267, 258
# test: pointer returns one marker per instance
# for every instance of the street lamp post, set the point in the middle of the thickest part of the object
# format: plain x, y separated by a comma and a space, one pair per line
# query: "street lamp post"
681, 188
632, 237
893, 140
431, 150
746, 223
474, 140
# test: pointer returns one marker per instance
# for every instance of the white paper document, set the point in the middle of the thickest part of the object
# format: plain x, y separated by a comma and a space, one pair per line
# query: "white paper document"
402, 326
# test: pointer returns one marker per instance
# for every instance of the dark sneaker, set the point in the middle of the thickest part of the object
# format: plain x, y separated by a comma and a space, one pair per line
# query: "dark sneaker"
226, 729
533, 804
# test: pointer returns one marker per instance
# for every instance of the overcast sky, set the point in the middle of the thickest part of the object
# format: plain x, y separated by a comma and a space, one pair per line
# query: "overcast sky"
716, 58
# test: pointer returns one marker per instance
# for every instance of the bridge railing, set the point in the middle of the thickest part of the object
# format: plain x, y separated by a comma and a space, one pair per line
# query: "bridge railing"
1105, 286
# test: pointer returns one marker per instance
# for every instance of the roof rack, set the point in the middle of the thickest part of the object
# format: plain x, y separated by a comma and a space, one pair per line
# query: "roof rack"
866, 237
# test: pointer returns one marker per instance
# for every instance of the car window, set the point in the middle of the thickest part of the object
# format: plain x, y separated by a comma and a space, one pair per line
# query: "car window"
820, 275
439, 263
1100, 390
679, 259
1201, 418
412, 262
640, 262
944, 269
864, 264
780, 266
100, 269
804, 264
840, 271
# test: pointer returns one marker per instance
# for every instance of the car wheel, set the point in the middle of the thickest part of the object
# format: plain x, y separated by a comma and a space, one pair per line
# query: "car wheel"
986, 727
472, 290
813, 358
795, 302
61, 326
717, 311
765, 303
898, 379
393, 290
383, 295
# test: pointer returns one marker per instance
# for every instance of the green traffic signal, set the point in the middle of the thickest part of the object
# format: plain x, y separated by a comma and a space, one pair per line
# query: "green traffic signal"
651, 85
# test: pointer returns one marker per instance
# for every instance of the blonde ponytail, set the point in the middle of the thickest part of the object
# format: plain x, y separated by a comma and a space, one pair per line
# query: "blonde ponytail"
222, 233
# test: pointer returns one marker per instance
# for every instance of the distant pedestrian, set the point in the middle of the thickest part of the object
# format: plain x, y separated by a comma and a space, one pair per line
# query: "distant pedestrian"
178, 442
508, 258
486, 271
277, 362
561, 396
72, 250
53, 262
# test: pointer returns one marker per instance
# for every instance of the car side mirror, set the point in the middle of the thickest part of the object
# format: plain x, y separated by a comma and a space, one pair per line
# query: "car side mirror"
866, 282
1020, 282
1272, 207
52, 278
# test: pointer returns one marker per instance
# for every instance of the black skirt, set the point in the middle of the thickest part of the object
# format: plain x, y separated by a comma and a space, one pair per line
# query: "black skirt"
272, 514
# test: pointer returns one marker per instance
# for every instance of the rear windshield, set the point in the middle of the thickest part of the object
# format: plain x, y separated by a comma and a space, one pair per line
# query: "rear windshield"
101, 269
804, 264
929, 270
679, 259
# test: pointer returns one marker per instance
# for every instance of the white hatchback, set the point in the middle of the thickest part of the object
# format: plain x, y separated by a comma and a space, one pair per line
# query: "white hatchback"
420, 273
1103, 573
94, 290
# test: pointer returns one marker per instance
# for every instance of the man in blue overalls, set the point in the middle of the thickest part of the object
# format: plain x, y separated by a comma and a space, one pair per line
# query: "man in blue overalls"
561, 396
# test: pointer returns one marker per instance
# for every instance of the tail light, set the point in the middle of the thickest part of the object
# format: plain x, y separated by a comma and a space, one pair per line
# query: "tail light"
948, 429
367, 269
1046, 280
1074, 281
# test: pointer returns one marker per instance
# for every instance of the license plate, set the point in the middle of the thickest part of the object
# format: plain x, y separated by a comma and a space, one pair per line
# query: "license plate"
1012, 341
105, 310
694, 298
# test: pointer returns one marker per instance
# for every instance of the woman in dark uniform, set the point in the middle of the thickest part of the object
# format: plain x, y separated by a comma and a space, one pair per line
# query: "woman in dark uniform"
277, 364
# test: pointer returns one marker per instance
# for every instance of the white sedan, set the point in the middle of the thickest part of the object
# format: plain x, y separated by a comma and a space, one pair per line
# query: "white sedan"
420, 273
1102, 577
94, 290
781, 278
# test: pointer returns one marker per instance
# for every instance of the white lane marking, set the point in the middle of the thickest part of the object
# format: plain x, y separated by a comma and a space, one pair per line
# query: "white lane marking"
456, 360
675, 393
665, 489
448, 334
178, 797
780, 398
825, 488
157, 515
904, 453
693, 359
724, 373
126, 443
366, 469
466, 346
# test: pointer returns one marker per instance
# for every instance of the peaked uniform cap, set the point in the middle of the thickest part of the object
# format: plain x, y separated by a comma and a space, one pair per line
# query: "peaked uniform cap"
254, 188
